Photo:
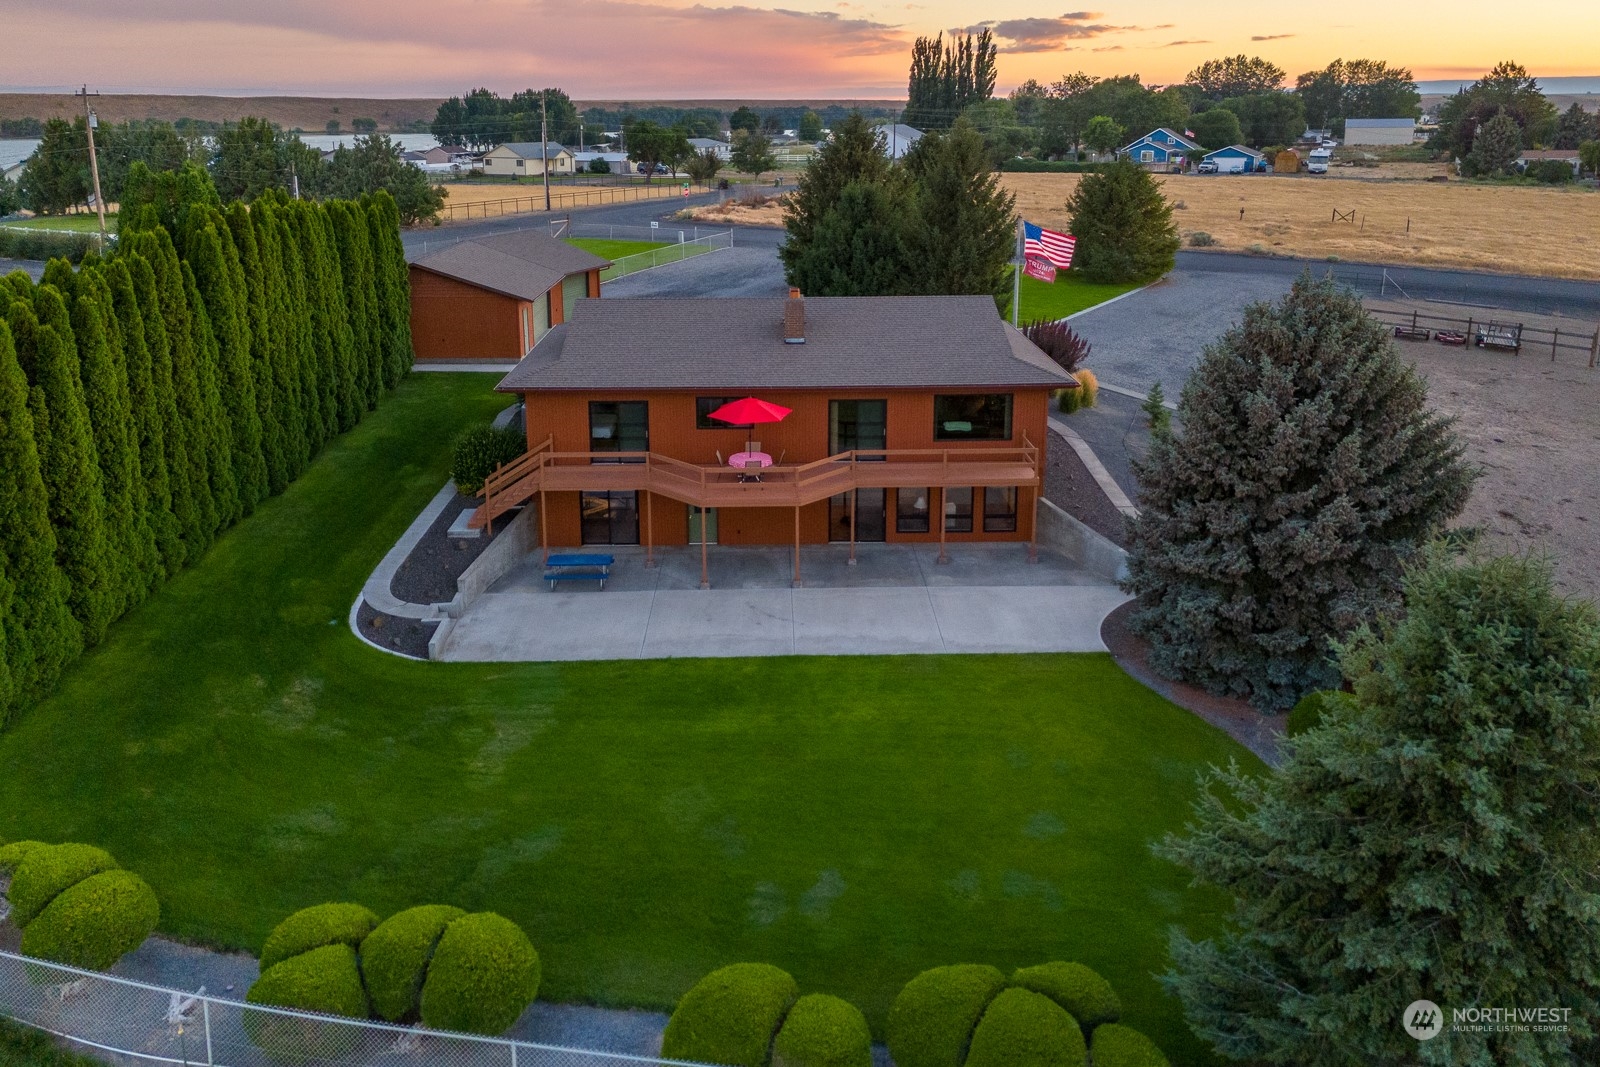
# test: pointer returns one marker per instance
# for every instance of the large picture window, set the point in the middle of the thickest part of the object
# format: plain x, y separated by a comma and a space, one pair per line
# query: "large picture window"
857, 424
619, 426
705, 405
1000, 509
958, 509
911, 511
972, 417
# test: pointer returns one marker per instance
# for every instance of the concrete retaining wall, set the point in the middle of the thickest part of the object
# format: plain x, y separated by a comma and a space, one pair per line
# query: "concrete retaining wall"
1090, 550
509, 548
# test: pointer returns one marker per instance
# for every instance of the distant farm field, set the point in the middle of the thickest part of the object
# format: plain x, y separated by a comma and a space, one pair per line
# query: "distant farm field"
1520, 229
309, 113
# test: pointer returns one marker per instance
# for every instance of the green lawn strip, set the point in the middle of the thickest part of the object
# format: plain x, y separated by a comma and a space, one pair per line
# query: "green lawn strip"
23, 1046
613, 249
852, 820
89, 223
1067, 295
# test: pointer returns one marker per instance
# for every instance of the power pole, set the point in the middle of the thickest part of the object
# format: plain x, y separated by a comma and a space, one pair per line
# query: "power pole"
294, 181
94, 164
544, 148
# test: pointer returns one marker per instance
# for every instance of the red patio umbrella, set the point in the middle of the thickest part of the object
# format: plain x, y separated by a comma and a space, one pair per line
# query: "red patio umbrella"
749, 410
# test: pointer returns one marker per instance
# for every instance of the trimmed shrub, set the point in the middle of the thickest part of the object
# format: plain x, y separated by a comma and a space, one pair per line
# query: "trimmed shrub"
315, 927
1026, 1029
1059, 341
730, 1016
484, 973
12, 855
1116, 1045
1085, 995
1551, 171
1313, 708
1019, 165
931, 1021
823, 1031
94, 923
1201, 239
324, 980
479, 451
48, 870
394, 959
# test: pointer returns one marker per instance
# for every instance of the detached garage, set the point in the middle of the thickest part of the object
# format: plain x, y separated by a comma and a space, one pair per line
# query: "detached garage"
494, 298
1236, 159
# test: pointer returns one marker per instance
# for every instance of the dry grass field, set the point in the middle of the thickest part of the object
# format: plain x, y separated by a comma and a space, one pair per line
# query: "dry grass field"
1520, 229
309, 113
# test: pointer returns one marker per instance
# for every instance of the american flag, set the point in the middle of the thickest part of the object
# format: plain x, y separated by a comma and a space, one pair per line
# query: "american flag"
1053, 246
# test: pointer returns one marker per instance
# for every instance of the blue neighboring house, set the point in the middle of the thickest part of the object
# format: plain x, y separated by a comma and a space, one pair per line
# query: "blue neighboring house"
1236, 159
1161, 149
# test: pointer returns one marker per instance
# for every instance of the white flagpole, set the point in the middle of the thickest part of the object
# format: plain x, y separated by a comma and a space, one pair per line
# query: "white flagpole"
1016, 279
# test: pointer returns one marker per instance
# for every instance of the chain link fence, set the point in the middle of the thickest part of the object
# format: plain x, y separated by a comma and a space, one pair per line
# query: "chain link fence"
671, 253
129, 1022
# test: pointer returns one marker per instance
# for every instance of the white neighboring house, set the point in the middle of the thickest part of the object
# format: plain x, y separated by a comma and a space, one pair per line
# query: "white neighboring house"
1379, 131
617, 161
723, 149
517, 159
898, 138
13, 173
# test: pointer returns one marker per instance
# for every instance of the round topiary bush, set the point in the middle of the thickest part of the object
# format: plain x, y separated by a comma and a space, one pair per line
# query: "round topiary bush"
394, 959
823, 1031
931, 1021
46, 871
479, 451
1026, 1029
1116, 1045
1085, 995
730, 1016
314, 927
484, 973
325, 980
11, 855
95, 922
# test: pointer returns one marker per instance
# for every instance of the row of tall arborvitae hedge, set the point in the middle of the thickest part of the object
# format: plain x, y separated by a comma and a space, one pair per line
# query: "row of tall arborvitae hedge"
152, 399
969, 1015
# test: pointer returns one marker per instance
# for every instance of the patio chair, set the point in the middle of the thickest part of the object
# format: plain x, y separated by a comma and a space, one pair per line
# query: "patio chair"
720, 460
751, 471
752, 446
779, 461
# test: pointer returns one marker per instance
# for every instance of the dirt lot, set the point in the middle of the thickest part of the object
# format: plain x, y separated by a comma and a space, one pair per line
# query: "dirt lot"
768, 211
309, 113
1520, 229
1534, 428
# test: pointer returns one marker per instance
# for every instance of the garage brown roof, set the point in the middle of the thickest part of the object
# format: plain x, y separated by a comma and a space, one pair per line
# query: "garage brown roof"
524, 264
737, 344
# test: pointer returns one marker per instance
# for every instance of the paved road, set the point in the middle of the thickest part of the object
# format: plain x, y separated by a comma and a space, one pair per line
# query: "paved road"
736, 271
34, 268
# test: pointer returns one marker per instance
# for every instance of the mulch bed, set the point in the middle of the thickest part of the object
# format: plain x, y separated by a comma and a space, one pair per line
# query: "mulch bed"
1259, 733
1069, 486
428, 576
409, 637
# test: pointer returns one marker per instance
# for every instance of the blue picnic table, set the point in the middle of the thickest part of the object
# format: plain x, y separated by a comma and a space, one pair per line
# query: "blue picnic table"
578, 567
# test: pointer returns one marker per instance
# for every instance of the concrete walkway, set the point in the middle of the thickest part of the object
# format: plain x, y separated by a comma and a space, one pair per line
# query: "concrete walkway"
895, 600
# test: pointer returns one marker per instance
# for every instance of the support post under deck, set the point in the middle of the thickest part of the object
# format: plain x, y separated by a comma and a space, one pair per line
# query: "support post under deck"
796, 546
705, 574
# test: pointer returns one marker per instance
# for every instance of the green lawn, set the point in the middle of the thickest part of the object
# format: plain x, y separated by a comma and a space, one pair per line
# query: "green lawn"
613, 250
1067, 295
22, 1046
78, 223
853, 820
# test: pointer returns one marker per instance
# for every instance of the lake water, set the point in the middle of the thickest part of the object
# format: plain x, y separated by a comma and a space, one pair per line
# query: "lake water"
15, 150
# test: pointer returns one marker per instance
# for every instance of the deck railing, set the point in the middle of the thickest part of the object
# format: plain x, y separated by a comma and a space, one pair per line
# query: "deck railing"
542, 469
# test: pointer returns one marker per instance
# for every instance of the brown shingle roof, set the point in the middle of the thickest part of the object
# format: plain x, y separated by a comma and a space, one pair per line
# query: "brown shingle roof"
524, 264
736, 344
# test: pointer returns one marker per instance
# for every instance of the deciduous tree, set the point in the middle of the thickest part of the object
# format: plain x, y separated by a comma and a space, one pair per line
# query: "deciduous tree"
1216, 128
1238, 75
1308, 470
752, 153
1103, 136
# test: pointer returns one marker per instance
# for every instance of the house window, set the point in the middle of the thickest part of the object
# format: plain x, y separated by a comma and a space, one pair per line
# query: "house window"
1000, 509
1147, 155
911, 511
958, 509
705, 405
972, 417
619, 426
861, 425
610, 517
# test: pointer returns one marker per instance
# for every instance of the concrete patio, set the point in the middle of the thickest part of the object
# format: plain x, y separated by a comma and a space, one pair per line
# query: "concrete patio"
893, 600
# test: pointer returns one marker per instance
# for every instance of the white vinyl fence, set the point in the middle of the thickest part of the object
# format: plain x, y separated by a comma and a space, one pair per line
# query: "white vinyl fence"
129, 1022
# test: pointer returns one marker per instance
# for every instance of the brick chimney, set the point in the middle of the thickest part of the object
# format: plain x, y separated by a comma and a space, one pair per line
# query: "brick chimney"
794, 319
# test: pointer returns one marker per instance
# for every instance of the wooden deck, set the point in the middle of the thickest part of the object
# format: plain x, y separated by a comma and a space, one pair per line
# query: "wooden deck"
543, 470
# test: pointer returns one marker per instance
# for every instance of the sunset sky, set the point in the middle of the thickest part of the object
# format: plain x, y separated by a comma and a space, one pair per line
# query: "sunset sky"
641, 49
